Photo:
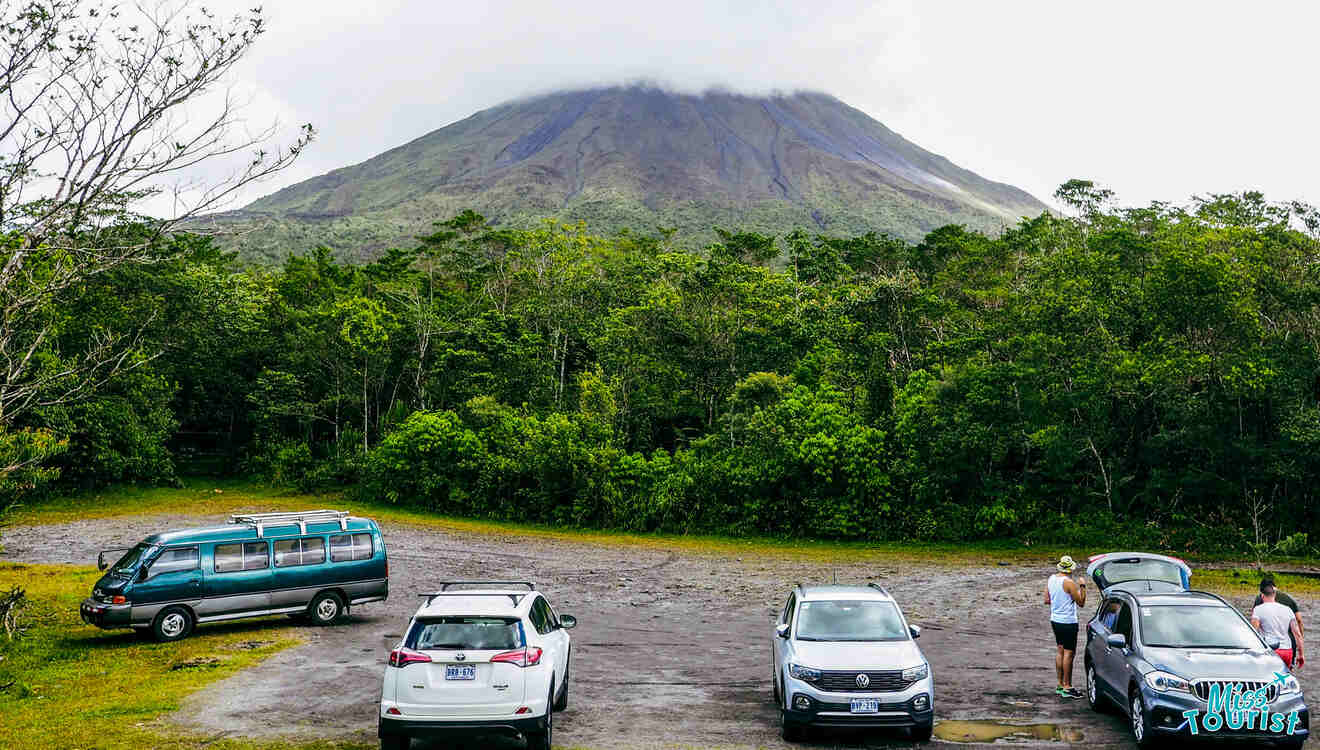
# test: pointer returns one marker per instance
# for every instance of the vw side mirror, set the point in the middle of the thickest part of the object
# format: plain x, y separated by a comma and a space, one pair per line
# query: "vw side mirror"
567, 622
1116, 640
781, 630
915, 631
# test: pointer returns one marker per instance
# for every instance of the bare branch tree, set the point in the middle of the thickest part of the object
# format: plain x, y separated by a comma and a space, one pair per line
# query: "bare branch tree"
102, 109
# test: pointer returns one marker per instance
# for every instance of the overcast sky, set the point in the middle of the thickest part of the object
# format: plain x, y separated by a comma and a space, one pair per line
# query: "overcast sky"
1156, 100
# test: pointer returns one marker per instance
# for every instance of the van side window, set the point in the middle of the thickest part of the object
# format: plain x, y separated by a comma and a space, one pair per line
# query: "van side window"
243, 556
290, 552
175, 559
345, 547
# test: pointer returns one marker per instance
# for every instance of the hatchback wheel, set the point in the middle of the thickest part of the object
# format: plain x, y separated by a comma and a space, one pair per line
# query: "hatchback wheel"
325, 608
172, 624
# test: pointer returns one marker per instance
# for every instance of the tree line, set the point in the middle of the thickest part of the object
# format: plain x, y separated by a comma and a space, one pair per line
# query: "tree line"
1146, 375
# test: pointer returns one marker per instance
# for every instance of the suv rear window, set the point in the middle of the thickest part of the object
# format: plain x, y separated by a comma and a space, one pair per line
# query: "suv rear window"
465, 633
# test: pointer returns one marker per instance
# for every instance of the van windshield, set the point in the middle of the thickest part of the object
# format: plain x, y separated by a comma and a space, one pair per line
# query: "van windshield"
464, 633
130, 560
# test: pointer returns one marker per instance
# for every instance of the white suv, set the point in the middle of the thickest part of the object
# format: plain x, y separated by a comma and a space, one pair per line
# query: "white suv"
493, 659
844, 656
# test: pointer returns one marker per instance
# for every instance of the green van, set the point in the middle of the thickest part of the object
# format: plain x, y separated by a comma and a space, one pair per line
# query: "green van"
312, 564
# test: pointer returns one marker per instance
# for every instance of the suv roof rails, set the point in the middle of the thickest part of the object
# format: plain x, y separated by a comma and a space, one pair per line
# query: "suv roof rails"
444, 590
260, 521
878, 587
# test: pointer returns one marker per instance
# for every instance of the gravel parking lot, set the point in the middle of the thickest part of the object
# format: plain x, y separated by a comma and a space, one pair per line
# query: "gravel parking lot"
672, 647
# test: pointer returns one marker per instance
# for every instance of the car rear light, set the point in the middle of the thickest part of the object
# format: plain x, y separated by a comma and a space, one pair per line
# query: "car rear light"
523, 710
392, 711
523, 657
1093, 558
402, 657
119, 600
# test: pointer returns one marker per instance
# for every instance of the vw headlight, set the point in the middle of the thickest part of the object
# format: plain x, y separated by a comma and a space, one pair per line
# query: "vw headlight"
806, 674
1167, 683
919, 672
1290, 685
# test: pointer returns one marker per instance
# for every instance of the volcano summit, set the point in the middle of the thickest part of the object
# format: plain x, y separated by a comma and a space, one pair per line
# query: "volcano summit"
641, 157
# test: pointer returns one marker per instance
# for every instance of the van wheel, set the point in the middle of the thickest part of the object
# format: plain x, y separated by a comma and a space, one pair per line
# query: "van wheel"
542, 740
172, 624
325, 608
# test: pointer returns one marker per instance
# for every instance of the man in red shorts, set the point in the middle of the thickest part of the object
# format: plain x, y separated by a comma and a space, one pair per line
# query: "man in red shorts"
1276, 624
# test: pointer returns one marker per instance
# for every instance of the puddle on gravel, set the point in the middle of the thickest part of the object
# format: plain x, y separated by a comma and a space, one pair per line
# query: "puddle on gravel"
996, 731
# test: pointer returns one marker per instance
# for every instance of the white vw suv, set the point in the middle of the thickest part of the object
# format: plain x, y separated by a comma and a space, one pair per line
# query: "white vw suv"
844, 656
479, 657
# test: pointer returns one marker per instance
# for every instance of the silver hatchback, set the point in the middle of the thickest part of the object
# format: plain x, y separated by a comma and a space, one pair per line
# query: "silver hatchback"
845, 656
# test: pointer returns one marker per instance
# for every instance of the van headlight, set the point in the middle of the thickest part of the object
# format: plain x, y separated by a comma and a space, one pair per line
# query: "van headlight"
1167, 683
919, 672
806, 674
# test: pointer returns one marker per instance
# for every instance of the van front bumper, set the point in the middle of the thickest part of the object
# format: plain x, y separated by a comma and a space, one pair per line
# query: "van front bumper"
104, 615
413, 727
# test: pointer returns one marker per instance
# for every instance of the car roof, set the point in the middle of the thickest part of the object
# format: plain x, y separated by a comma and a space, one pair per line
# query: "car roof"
839, 591
1174, 598
491, 602
234, 532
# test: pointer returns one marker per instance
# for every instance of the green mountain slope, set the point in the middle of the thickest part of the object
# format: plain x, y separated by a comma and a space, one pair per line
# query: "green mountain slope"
640, 157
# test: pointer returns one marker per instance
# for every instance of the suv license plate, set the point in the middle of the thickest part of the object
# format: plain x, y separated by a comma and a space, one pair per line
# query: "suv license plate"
460, 672
865, 706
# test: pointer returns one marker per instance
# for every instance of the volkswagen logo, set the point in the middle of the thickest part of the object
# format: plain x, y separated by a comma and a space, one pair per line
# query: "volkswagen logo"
460, 656
863, 680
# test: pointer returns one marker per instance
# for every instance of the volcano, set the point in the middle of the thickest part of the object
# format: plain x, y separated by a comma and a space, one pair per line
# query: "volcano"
643, 158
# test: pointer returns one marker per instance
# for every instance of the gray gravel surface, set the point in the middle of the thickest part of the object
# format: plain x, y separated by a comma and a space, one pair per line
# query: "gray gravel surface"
672, 647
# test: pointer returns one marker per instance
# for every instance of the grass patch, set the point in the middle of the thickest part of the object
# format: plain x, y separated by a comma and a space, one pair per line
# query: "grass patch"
1245, 582
76, 686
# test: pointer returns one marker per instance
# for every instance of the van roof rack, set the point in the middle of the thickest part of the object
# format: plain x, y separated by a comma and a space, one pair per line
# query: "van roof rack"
260, 521
444, 590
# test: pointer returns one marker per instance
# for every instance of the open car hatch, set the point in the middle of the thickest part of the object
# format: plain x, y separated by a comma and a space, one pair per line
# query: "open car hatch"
1139, 571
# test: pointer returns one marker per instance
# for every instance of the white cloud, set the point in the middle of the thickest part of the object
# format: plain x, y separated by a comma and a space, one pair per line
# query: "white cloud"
1155, 100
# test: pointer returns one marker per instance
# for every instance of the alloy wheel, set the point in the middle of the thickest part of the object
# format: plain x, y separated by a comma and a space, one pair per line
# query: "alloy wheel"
326, 608
173, 624
1138, 720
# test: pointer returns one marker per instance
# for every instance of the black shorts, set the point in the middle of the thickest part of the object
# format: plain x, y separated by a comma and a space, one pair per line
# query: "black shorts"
1065, 634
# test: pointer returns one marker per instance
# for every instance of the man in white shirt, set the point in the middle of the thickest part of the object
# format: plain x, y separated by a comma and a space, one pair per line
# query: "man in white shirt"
1276, 623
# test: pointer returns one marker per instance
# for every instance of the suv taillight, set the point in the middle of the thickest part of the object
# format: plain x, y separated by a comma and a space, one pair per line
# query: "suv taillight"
523, 657
402, 657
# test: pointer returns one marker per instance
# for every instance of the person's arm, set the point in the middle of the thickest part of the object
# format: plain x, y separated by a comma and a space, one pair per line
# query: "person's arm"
1297, 635
1047, 594
1075, 589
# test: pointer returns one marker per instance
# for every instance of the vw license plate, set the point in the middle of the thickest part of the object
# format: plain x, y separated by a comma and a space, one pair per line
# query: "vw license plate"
460, 672
865, 706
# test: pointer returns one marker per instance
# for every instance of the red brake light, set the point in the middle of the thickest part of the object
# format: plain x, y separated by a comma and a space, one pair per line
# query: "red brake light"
523, 657
392, 711
402, 657
523, 710
119, 600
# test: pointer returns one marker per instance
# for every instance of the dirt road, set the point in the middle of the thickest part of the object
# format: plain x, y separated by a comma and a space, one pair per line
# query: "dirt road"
672, 647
